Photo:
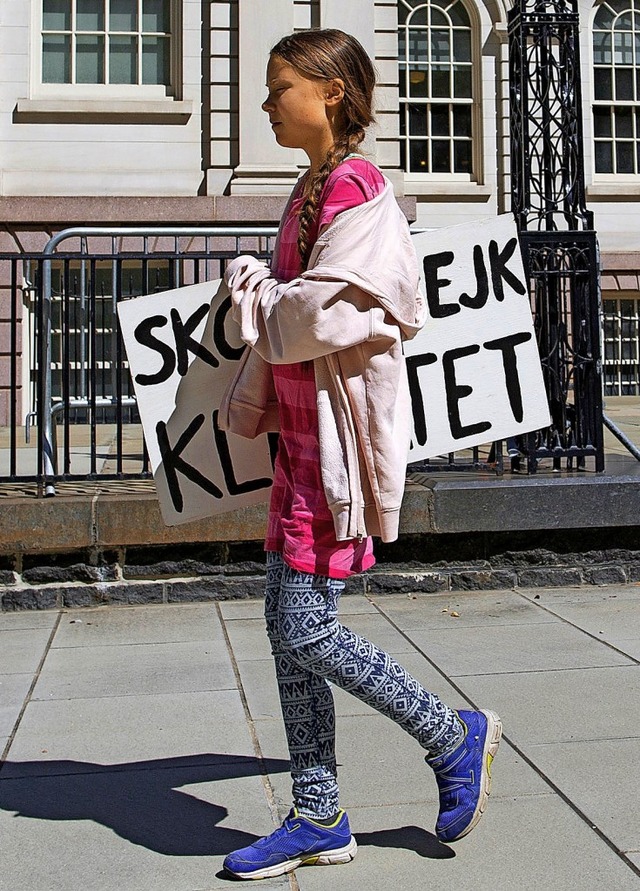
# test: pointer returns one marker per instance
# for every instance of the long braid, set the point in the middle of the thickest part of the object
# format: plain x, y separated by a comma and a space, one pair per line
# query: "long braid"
346, 144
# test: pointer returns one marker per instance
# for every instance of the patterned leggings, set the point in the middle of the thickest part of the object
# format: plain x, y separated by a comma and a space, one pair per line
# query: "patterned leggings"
310, 648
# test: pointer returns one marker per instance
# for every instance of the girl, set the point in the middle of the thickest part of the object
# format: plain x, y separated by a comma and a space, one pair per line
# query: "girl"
325, 368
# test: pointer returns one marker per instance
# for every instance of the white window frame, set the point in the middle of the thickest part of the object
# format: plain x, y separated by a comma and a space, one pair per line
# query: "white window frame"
105, 92
416, 182
613, 179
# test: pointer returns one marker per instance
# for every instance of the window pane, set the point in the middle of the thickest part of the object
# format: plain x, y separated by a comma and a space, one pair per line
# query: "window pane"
604, 157
441, 156
418, 82
462, 121
123, 15
459, 15
462, 157
417, 46
619, 6
440, 120
418, 120
418, 156
602, 122
602, 49
624, 22
155, 60
155, 16
123, 60
440, 86
89, 16
462, 82
623, 49
603, 18
90, 59
440, 49
624, 122
602, 83
419, 17
56, 15
462, 46
438, 18
56, 58
624, 84
624, 157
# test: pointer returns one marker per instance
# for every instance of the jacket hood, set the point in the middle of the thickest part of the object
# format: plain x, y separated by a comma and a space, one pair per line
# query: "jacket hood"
370, 246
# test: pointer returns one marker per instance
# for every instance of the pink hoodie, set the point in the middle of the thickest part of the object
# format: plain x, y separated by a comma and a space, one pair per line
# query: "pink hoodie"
349, 312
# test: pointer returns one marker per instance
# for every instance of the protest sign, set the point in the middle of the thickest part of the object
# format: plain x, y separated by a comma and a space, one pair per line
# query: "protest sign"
474, 368
183, 348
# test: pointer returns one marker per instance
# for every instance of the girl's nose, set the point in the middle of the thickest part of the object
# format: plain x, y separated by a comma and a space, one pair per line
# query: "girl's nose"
267, 104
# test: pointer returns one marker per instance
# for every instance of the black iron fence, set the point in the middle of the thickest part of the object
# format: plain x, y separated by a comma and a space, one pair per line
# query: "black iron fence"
64, 376
67, 407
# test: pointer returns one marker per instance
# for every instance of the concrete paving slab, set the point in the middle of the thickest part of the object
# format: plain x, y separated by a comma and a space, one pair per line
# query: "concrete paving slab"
629, 646
603, 618
475, 608
635, 857
142, 830
13, 691
22, 649
583, 594
526, 843
72, 736
562, 706
165, 623
27, 620
248, 639
601, 786
514, 648
81, 672
242, 609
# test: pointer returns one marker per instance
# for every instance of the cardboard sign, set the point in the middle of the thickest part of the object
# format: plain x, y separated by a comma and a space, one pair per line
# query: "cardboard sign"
474, 368
183, 350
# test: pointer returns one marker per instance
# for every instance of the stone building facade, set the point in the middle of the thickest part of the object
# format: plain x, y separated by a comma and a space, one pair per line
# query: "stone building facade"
117, 112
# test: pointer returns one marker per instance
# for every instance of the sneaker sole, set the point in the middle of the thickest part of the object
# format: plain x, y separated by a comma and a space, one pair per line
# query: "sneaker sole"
491, 743
324, 858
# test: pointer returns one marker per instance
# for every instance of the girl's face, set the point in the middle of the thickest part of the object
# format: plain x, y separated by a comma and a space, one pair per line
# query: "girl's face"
302, 111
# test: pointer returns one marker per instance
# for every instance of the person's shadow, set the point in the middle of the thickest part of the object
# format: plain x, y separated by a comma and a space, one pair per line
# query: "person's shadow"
142, 802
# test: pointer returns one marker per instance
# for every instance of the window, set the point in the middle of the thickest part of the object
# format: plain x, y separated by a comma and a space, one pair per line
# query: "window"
436, 88
616, 87
621, 346
109, 42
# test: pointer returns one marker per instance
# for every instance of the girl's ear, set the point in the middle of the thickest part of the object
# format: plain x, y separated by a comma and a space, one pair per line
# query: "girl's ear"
334, 91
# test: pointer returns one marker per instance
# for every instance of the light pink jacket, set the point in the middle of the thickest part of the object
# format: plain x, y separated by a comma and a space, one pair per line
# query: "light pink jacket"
348, 312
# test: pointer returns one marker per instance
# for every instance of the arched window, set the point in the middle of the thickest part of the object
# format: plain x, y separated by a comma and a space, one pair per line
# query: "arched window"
616, 87
435, 55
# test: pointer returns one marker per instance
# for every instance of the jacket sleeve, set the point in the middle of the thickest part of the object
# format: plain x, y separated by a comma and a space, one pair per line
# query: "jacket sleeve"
299, 320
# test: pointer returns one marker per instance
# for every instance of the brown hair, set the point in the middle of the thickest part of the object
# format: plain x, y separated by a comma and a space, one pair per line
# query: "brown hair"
326, 54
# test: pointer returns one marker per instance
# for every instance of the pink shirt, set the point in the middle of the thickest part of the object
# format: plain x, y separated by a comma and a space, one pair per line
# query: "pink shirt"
300, 524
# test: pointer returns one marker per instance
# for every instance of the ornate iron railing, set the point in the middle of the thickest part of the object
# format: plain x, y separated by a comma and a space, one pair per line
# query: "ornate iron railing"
559, 244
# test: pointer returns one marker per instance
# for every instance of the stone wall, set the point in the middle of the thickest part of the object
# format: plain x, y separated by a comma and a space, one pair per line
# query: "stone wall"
235, 570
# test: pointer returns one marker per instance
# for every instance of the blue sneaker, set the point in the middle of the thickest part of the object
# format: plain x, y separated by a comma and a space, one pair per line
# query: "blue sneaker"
298, 842
464, 775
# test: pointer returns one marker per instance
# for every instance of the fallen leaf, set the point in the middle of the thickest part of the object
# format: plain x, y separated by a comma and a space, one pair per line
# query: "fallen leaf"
455, 614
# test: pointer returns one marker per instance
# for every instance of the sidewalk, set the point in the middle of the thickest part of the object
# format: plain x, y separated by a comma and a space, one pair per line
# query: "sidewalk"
143, 743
